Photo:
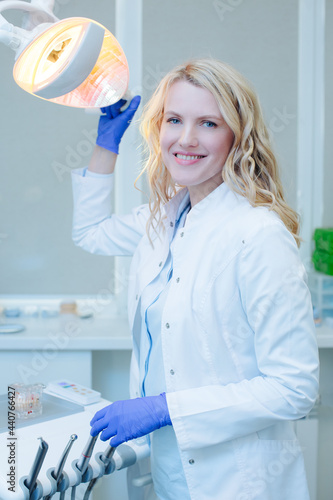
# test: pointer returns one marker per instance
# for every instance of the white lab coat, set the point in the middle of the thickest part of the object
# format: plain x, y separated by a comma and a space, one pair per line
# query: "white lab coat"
238, 340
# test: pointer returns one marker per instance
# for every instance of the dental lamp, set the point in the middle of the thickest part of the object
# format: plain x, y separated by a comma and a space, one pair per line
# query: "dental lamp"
75, 61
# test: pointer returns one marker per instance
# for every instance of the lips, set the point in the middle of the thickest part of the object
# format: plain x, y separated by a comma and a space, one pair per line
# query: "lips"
183, 156
187, 159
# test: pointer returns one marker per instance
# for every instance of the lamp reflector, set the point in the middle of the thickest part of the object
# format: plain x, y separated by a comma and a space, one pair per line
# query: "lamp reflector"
75, 62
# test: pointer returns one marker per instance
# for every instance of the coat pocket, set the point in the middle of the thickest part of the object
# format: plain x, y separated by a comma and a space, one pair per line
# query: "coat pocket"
272, 469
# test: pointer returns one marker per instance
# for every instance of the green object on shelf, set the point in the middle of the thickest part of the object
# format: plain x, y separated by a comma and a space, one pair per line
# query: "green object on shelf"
324, 240
323, 262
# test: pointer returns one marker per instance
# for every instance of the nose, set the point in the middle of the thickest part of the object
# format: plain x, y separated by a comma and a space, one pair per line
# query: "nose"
188, 137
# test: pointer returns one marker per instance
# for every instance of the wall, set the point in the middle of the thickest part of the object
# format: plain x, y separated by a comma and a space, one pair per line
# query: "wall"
257, 37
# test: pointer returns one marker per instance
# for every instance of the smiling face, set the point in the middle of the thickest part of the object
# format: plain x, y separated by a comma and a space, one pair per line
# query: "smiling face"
195, 140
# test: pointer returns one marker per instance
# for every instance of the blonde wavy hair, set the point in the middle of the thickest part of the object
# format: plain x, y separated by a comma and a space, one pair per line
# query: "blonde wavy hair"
250, 169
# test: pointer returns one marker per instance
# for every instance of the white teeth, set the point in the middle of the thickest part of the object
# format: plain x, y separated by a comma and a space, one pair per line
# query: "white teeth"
184, 157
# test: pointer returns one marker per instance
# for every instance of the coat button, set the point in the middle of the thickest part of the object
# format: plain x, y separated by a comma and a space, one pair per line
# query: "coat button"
191, 461
182, 234
167, 325
172, 372
178, 280
160, 264
171, 224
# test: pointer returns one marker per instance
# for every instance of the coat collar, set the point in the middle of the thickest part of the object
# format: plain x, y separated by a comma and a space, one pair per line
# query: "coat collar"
221, 198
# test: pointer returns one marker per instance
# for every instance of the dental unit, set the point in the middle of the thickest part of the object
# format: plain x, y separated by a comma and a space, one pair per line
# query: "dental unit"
41, 474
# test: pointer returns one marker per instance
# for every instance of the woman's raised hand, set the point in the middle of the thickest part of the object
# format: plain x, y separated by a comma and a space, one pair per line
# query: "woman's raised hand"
113, 123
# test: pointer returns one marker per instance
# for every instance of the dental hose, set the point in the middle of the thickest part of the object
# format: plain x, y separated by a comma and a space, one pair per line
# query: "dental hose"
105, 457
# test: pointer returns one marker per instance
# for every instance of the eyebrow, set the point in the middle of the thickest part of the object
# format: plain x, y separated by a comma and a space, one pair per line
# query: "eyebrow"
199, 117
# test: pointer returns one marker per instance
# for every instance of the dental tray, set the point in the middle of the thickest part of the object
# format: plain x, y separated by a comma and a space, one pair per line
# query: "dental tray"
53, 408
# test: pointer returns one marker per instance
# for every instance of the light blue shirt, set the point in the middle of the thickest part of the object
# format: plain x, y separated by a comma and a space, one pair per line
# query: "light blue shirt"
151, 365
166, 464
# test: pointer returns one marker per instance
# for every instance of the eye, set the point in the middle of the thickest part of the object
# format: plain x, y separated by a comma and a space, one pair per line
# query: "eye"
173, 120
209, 124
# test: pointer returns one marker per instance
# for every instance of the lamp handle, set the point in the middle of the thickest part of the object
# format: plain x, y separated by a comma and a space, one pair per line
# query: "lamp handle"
128, 96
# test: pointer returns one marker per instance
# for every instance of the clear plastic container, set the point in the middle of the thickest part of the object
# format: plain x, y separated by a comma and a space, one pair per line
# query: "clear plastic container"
28, 400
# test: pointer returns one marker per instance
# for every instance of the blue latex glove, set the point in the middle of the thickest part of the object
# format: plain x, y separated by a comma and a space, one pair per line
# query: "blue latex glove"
130, 419
113, 123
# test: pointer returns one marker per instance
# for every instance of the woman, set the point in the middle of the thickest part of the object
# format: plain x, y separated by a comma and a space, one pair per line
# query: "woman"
224, 351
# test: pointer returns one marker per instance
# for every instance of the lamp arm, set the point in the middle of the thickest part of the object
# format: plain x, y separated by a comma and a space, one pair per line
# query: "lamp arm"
7, 39
46, 4
18, 38
22, 5
10, 35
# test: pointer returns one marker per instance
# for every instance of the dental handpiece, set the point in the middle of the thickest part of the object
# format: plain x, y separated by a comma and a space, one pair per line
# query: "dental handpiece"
60, 467
37, 465
108, 454
83, 461
105, 457
57, 474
